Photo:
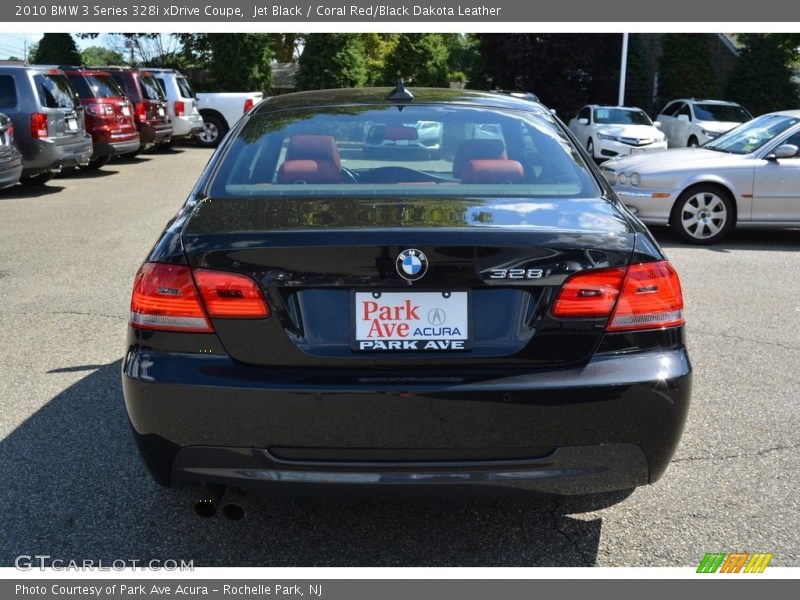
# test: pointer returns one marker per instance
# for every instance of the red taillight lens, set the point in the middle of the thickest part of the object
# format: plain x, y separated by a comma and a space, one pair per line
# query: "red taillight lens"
248, 104
140, 108
230, 295
165, 298
591, 294
651, 298
645, 296
175, 298
38, 125
180, 108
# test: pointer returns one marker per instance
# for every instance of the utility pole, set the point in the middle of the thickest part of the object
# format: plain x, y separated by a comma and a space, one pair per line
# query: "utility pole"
623, 70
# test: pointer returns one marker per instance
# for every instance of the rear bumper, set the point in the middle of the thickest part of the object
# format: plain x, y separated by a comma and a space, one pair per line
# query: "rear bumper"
111, 146
52, 154
153, 134
186, 126
611, 424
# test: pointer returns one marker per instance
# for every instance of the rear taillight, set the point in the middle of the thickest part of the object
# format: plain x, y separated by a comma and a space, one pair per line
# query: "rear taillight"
175, 298
589, 295
248, 104
230, 295
100, 110
38, 125
643, 296
180, 108
651, 298
140, 108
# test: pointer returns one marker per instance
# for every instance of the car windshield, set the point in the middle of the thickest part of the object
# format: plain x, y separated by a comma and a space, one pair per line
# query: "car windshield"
431, 149
55, 91
750, 136
620, 116
721, 112
150, 89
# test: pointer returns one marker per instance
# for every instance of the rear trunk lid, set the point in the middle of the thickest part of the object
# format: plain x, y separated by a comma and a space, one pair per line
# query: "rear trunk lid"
59, 101
494, 266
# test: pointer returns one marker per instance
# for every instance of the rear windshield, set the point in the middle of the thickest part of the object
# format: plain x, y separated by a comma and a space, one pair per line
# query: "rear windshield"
95, 86
184, 87
620, 116
55, 91
150, 88
721, 112
432, 150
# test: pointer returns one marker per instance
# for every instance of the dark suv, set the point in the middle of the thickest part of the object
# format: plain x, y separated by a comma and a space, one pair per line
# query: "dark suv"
108, 114
48, 120
149, 104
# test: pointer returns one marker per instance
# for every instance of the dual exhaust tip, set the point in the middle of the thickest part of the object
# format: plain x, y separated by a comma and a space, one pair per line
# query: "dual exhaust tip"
234, 502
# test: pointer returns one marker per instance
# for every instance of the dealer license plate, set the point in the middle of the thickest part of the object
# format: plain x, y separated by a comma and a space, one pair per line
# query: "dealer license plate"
126, 111
72, 124
410, 321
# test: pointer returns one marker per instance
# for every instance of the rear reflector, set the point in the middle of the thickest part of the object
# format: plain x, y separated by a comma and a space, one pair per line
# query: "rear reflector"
589, 295
38, 125
248, 104
230, 295
164, 298
643, 296
180, 108
651, 298
175, 298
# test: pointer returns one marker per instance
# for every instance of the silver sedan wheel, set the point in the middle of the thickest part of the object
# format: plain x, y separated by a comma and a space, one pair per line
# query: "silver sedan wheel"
704, 215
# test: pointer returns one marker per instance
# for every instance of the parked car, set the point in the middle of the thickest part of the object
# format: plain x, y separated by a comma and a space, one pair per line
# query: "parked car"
609, 131
309, 317
421, 137
149, 104
220, 112
690, 122
48, 120
108, 115
10, 158
181, 103
748, 177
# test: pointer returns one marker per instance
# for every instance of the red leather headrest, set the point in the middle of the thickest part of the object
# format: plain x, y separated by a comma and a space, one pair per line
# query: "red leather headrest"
477, 149
309, 171
313, 147
492, 171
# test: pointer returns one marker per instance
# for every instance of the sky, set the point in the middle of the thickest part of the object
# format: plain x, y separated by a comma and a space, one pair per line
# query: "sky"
13, 44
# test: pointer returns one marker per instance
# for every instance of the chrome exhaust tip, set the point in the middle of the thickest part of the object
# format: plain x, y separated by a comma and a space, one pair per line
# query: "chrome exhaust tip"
236, 505
206, 506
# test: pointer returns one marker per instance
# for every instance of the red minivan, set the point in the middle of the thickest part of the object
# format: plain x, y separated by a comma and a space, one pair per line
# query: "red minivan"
108, 114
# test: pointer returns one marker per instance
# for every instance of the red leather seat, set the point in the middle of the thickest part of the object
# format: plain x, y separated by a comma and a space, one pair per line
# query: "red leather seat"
475, 150
492, 171
311, 159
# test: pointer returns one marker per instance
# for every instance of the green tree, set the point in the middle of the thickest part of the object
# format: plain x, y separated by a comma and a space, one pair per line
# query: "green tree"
637, 85
762, 79
98, 55
332, 60
239, 61
56, 49
420, 59
377, 48
686, 66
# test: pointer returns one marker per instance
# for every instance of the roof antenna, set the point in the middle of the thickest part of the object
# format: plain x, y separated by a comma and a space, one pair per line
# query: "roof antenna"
400, 94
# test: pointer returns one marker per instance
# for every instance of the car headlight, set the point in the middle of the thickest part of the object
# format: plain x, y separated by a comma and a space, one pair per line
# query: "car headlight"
711, 134
635, 179
622, 178
610, 138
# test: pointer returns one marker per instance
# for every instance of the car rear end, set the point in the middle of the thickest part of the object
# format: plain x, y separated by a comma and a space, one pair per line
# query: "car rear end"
50, 128
181, 103
491, 317
10, 158
108, 114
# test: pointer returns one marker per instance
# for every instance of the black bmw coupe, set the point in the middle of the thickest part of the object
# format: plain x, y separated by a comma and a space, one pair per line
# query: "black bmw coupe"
481, 311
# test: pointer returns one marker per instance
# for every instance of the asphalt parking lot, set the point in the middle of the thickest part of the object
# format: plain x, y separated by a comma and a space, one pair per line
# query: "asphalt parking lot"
73, 486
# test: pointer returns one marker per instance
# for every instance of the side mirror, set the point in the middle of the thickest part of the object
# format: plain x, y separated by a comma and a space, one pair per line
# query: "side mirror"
684, 118
783, 151
657, 124
583, 121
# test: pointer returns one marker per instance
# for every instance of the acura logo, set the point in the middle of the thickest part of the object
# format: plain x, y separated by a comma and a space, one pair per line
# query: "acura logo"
411, 264
436, 316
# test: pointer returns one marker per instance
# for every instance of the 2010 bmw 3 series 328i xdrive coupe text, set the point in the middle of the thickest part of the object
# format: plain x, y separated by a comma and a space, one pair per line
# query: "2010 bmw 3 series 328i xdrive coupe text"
324, 313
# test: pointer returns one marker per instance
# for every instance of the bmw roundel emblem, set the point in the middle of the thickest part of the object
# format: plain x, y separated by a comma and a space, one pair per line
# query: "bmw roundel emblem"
411, 264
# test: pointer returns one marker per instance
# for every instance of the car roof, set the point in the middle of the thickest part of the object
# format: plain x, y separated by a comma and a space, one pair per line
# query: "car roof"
786, 113
708, 101
612, 106
379, 96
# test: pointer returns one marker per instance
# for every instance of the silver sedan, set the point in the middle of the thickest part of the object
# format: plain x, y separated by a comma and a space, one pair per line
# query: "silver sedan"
748, 177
